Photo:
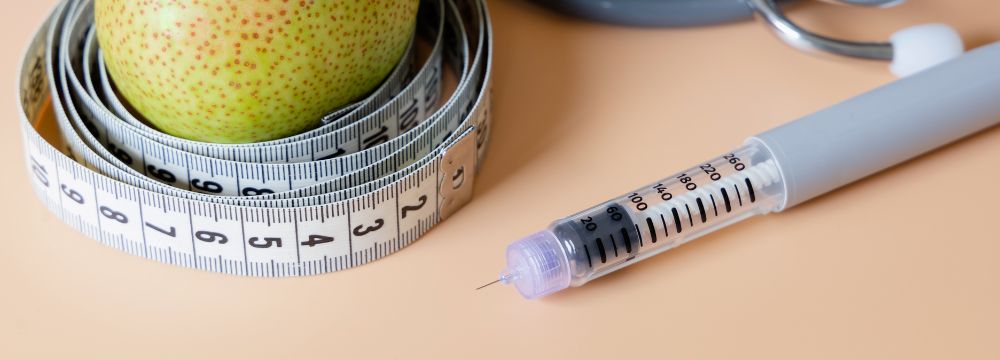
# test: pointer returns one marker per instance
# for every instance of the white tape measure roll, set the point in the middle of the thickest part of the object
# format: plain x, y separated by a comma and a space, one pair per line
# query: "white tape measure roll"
373, 178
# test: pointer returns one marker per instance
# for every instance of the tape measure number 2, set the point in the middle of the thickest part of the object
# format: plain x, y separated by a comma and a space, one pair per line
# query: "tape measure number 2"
373, 178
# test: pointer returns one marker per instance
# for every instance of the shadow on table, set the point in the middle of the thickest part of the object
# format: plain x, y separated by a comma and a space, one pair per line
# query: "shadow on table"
534, 76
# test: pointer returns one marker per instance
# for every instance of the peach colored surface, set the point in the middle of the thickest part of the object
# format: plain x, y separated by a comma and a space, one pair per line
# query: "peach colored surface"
902, 265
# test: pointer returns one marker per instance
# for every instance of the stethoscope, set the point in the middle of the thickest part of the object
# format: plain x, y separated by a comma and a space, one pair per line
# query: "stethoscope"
909, 50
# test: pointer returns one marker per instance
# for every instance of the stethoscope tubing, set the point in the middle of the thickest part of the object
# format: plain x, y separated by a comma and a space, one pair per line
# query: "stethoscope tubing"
672, 13
688, 13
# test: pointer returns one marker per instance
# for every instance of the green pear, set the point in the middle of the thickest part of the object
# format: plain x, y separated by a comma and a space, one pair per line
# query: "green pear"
241, 71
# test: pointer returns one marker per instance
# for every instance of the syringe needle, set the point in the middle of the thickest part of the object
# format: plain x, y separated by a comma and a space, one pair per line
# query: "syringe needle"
491, 283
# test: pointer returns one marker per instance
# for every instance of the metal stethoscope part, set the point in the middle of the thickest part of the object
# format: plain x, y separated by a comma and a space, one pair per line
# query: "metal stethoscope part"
802, 39
910, 50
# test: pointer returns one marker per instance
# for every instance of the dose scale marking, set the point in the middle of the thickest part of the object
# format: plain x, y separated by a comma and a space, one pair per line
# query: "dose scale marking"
654, 230
375, 176
670, 212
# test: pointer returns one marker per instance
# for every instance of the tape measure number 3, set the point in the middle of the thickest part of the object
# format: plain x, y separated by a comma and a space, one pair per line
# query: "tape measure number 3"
374, 177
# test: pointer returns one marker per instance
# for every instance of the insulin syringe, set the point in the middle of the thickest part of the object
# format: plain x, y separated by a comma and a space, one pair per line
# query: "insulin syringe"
771, 172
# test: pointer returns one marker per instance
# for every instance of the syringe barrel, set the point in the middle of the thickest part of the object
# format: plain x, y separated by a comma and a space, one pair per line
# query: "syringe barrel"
645, 222
886, 126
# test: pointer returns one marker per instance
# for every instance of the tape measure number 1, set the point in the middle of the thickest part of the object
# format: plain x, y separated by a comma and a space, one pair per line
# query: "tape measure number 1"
373, 178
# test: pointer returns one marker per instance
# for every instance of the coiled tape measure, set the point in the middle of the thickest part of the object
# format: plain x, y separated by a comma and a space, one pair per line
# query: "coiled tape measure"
373, 178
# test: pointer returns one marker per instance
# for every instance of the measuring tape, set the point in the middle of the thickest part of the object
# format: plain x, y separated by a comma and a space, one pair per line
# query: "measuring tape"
375, 176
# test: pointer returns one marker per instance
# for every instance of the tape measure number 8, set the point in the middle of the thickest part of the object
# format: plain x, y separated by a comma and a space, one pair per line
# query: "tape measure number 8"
373, 178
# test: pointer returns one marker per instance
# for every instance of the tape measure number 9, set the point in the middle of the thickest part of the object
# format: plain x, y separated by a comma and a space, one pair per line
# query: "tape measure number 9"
373, 178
